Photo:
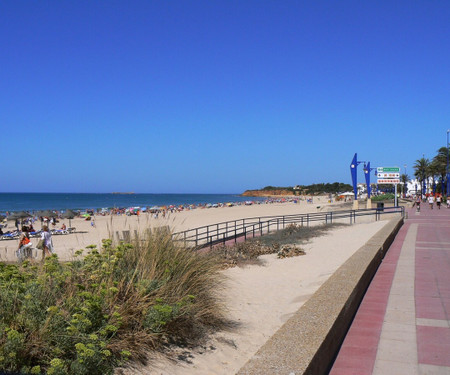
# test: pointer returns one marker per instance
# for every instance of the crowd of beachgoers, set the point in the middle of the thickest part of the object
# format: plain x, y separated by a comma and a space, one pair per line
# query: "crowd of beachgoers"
51, 217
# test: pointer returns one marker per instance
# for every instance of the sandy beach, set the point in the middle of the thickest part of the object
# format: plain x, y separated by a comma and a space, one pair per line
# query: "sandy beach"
107, 226
261, 298
258, 298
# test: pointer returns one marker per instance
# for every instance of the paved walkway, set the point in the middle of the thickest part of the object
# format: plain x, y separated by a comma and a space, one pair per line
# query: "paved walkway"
403, 323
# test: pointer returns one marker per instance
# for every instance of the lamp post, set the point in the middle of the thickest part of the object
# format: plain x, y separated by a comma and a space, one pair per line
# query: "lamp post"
448, 175
404, 186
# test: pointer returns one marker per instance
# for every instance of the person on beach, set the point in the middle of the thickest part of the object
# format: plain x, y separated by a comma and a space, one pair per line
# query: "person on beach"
24, 249
431, 201
46, 236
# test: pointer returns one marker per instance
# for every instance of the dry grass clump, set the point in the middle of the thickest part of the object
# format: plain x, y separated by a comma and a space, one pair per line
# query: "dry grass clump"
282, 242
297, 234
240, 253
92, 315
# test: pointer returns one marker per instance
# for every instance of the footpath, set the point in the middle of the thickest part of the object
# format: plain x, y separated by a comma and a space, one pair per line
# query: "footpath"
403, 323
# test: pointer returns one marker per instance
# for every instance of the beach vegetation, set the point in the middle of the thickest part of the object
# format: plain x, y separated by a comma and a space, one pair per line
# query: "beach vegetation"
382, 197
325, 188
107, 308
285, 243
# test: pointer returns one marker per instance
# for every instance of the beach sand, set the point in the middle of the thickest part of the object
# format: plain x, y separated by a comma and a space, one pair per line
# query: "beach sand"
261, 298
107, 226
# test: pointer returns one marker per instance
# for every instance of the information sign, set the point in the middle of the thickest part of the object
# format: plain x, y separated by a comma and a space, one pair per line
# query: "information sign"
388, 169
388, 181
388, 175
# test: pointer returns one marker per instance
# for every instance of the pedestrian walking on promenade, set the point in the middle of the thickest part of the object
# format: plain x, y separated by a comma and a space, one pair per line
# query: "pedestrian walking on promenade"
431, 201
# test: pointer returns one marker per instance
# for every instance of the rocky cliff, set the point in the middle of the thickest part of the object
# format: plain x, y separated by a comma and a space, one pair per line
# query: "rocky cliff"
267, 193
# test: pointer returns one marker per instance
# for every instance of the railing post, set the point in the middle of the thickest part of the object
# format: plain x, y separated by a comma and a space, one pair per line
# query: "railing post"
278, 223
307, 220
283, 222
196, 237
207, 233
331, 217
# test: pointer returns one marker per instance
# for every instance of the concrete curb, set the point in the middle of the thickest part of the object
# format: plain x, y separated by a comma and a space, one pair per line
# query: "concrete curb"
308, 342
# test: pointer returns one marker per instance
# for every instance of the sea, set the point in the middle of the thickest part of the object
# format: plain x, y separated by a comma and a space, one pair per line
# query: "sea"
80, 201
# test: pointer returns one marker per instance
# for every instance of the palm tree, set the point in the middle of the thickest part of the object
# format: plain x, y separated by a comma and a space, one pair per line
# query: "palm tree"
421, 170
433, 173
439, 163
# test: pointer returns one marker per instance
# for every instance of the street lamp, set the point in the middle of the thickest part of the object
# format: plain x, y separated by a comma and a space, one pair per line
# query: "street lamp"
406, 182
448, 175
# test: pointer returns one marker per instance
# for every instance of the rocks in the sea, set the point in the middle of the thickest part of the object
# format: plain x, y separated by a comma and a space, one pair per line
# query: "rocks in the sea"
288, 251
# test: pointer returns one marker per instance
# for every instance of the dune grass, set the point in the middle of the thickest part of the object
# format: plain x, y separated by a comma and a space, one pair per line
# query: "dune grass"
271, 243
107, 309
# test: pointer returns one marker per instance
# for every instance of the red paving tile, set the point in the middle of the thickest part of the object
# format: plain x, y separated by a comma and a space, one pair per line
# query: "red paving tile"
430, 307
354, 359
433, 345
358, 351
432, 298
339, 369
362, 338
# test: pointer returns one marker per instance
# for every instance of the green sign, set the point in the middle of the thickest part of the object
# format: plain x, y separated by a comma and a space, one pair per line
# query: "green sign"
388, 169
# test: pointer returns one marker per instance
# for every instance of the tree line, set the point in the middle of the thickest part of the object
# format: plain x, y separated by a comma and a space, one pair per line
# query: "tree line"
436, 169
322, 188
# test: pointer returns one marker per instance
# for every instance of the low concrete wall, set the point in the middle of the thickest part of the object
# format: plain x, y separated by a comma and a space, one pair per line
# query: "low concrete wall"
308, 342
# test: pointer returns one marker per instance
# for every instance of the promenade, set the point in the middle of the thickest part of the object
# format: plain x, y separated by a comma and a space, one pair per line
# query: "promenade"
403, 323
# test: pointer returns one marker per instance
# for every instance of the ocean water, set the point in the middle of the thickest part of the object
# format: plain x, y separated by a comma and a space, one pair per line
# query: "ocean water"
61, 201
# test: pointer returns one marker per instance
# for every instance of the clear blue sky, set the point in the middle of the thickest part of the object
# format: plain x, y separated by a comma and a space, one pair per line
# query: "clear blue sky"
217, 96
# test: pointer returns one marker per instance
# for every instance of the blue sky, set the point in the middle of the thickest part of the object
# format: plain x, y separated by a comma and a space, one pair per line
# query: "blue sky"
217, 96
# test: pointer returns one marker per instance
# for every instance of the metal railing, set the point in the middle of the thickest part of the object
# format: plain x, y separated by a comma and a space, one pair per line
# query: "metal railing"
223, 232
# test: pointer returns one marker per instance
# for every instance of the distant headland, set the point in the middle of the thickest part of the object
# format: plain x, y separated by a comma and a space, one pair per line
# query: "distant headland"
268, 192
323, 188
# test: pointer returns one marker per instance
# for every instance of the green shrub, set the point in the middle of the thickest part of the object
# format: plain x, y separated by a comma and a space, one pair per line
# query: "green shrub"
382, 197
94, 314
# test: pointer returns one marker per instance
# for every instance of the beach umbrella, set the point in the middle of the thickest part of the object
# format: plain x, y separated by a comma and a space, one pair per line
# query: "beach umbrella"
18, 215
46, 213
69, 214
